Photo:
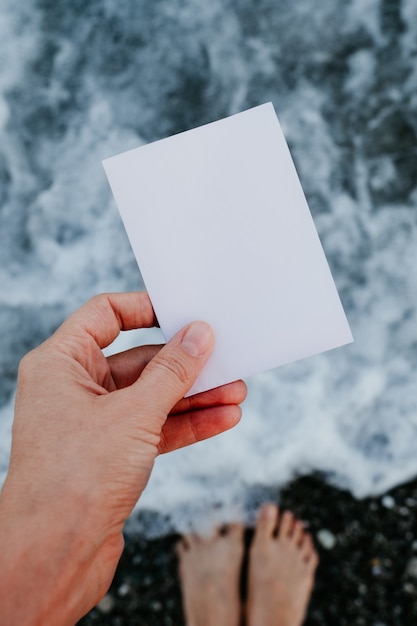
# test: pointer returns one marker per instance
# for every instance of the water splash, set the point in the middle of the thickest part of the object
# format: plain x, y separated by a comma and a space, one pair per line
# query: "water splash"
82, 81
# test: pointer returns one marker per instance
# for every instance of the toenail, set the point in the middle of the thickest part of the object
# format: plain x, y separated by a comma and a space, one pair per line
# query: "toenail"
269, 511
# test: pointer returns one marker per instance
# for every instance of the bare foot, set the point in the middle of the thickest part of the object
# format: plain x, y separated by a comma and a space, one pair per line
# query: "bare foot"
210, 576
281, 570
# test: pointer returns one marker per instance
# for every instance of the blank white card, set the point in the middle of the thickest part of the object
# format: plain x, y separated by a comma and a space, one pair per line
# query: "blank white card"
221, 231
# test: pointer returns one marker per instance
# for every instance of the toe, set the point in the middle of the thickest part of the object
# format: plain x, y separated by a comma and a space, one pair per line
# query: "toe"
192, 539
236, 530
307, 547
298, 533
313, 561
181, 546
286, 526
267, 520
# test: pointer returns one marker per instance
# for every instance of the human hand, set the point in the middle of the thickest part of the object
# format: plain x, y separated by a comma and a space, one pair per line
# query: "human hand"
86, 433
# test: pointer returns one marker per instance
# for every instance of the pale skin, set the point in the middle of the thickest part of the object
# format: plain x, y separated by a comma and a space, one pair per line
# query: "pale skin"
282, 563
86, 433
209, 570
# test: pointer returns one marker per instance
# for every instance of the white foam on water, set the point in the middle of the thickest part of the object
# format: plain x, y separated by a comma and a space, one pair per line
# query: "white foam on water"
77, 88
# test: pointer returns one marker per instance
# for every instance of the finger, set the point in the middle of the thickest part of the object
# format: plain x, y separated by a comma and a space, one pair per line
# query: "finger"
126, 367
104, 316
188, 428
232, 393
172, 372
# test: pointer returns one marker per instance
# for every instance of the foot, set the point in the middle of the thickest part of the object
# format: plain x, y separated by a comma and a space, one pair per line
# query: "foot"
281, 570
209, 569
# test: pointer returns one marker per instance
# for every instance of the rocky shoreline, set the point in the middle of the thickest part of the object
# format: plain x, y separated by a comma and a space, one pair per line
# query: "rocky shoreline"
367, 574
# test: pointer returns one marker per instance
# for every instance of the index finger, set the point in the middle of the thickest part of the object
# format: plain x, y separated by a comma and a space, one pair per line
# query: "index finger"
104, 316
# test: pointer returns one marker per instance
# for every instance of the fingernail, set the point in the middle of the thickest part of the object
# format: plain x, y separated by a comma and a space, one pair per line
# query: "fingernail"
198, 339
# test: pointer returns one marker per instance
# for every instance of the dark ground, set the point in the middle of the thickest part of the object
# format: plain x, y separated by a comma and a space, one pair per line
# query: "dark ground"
367, 578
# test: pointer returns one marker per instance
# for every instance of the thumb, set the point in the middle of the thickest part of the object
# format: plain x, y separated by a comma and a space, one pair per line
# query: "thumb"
173, 371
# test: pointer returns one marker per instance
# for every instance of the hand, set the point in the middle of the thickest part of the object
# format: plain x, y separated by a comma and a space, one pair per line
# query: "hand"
86, 433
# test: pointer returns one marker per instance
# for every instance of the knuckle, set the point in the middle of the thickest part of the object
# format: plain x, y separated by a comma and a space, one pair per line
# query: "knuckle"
176, 368
99, 301
26, 364
100, 298
163, 446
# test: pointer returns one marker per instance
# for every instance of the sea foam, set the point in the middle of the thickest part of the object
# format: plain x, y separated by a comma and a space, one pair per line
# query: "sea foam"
79, 84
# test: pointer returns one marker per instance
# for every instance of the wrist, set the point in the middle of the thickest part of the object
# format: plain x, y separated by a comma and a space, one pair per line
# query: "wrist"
44, 552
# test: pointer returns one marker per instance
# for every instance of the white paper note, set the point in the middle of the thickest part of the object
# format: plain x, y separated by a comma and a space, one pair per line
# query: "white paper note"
221, 231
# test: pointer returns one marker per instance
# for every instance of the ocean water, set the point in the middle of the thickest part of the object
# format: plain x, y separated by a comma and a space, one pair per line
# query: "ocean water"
82, 81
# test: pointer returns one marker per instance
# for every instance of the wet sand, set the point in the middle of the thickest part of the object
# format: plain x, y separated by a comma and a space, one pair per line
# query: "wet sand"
367, 574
